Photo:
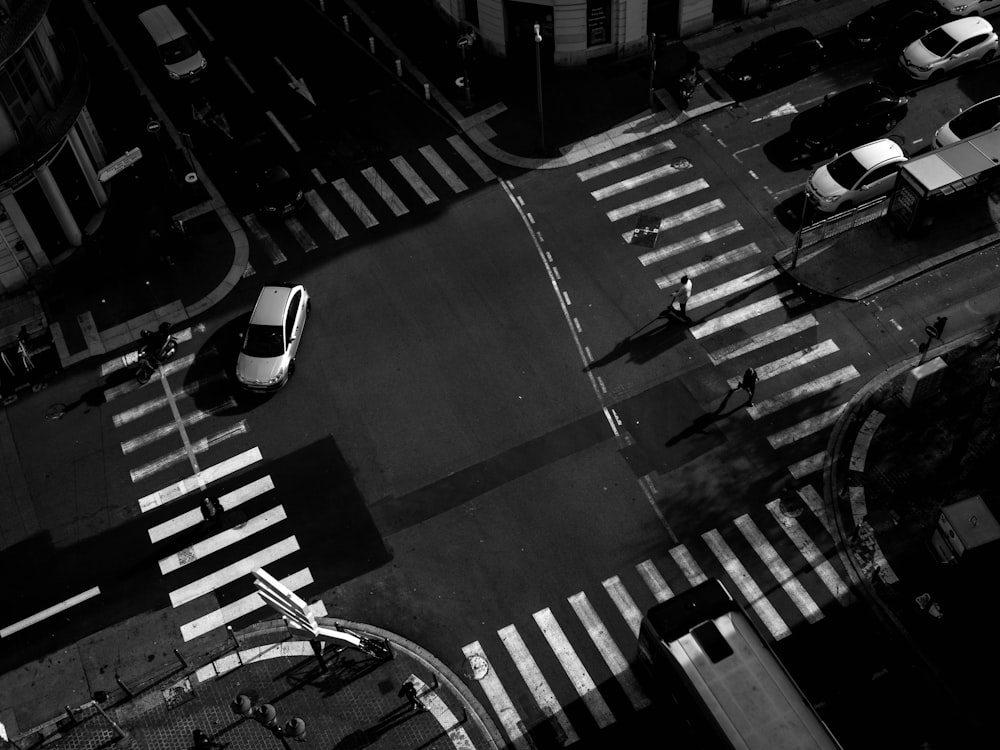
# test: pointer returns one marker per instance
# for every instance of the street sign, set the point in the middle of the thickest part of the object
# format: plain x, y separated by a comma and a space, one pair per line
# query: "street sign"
153, 126
285, 601
120, 164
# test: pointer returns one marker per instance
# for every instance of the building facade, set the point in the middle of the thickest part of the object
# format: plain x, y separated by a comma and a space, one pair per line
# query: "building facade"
50, 151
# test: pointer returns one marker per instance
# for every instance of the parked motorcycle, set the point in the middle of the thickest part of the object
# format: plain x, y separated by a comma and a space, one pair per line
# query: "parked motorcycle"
685, 85
158, 348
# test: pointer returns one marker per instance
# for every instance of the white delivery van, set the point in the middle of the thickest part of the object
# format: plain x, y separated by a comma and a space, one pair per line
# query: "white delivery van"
181, 57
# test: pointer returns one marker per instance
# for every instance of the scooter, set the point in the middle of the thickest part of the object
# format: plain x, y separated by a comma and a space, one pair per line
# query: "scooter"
159, 348
685, 86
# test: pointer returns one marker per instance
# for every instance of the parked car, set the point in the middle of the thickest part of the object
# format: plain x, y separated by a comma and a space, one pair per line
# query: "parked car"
178, 51
968, 7
860, 175
272, 338
979, 118
774, 60
849, 117
956, 43
274, 189
891, 25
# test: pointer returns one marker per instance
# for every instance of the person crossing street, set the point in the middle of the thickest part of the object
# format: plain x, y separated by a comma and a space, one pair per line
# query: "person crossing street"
681, 295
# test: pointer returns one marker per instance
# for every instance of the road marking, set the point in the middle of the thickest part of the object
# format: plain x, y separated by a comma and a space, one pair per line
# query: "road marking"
699, 269
609, 650
191, 418
808, 465
807, 547
230, 573
790, 362
806, 427
657, 200
306, 242
200, 480
692, 214
753, 310
664, 170
154, 404
174, 365
801, 392
356, 204
263, 237
324, 214
622, 161
223, 539
193, 518
281, 129
746, 584
702, 238
472, 158
623, 603
385, 192
185, 334
688, 566
816, 505
449, 176
573, 667
318, 176
415, 181
760, 340
495, 692
747, 281
239, 76
55, 609
654, 581
202, 445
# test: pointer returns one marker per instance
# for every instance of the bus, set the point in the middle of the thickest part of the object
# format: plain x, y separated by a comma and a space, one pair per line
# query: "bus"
702, 645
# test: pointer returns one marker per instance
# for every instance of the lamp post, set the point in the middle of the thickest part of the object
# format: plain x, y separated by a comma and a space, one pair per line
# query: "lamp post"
538, 78
798, 232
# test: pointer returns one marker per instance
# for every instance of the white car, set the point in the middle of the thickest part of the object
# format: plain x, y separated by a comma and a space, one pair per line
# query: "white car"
979, 118
956, 43
859, 175
271, 341
969, 7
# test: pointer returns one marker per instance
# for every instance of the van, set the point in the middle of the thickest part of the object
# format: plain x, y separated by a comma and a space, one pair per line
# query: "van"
180, 56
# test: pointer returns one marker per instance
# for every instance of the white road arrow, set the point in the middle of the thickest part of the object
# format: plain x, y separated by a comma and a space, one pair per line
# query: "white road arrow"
297, 84
784, 109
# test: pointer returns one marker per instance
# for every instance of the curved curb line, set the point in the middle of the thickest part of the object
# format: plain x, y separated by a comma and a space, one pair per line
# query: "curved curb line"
241, 258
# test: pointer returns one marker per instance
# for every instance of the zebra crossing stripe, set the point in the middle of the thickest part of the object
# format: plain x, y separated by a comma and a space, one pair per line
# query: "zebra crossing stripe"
233, 572
385, 192
609, 650
264, 238
195, 448
733, 286
200, 480
624, 161
191, 418
700, 269
801, 392
816, 506
536, 682
702, 238
414, 180
791, 361
148, 407
671, 222
281, 129
664, 170
806, 427
654, 581
657, 200
243, 607
746, 584
623, 603
753, 310
193, 518
808, 465
472, 158
449, 176
356, 204
762, 339
781, 572
322, 211
223, 539
571, 664
496, 694
808, 549
684, 560
306, 242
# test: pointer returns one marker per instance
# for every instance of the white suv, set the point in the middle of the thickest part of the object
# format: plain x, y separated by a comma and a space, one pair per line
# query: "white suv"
969, 7
271, 341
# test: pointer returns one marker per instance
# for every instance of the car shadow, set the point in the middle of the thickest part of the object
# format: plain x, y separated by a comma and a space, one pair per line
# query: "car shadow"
788, 155
211, 378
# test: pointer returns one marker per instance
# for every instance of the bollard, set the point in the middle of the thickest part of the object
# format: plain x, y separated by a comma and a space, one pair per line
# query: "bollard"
123, 686
317, 648
69, 713
241, 705
237, 642
180, 658
347, 25
296, 729
427, 91
399, 67
266, 714
371, 44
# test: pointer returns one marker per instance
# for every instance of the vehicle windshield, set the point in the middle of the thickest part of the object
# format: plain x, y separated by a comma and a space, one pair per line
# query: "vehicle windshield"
177, 50
264, 341
939, 42
977, 119
846, 170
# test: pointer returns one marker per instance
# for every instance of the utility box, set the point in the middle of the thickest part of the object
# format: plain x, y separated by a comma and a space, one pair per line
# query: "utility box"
962, 527
923, 381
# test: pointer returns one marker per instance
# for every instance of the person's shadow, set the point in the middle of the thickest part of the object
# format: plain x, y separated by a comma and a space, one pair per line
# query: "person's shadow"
642, 345
702, 422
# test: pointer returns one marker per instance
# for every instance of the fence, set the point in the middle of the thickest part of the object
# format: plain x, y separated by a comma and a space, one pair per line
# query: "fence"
844, 222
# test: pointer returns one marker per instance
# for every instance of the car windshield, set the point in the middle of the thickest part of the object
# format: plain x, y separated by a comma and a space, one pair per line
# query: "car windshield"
939, 42
852, 100
977, 119
264, 341
177, 50
846, 170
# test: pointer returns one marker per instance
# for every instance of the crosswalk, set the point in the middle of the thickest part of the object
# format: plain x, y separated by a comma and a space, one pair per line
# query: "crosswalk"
207, 564
380, 193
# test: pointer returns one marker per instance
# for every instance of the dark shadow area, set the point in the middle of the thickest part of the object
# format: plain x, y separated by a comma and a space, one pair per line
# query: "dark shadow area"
667, 330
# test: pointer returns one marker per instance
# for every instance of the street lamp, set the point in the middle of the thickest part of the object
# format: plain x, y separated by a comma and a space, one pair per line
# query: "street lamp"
538, 77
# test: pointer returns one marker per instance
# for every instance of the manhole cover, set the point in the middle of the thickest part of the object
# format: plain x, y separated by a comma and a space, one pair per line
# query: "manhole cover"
178, 693
56, 411
476, 667
792, 506
680, 164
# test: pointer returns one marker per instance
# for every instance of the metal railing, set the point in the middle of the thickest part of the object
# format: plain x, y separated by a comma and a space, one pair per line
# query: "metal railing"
844, 222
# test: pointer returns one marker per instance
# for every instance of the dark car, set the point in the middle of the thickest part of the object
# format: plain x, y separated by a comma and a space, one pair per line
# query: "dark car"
891, 25
775, 60
275, 191
848, 118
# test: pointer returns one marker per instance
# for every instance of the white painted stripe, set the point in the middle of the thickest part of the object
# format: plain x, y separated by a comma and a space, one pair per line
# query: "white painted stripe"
687, 565
672, 222
702, 238
355, 203
453, 180
55, 609
807, 547
536, 682
194, 417
239, 76
496, 694
200, 480
760, 340
385, 192
326, 216
801, 392
816, 506
863, 440
472, 158
260, 234
806, 427
318, 176
859, 507
654, 581
193, 518
657, 200
571, 664
737, 316
747, 281
205, 547
700, 269
808, 465
643, 127
232, 572
609, 650
781, 572
242, 607
181, 336
148, 407
664, 170
747, 586
186, 452
281, 129
414, 180
293, 225
623, 603
623, 161
791, 361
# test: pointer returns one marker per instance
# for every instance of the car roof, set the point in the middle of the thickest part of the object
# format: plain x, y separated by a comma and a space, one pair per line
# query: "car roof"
963, 28
877, 152
270, 307
863, 92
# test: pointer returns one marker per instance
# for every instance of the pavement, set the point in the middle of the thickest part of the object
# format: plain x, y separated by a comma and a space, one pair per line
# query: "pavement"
885, 501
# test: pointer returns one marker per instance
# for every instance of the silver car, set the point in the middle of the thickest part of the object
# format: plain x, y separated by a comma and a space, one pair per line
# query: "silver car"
271, 341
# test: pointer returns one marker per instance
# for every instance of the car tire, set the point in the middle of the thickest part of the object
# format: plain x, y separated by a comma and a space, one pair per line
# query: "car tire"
990, 54
890, 123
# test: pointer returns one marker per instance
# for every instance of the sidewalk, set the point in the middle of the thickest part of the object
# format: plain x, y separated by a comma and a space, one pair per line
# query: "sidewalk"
892, 469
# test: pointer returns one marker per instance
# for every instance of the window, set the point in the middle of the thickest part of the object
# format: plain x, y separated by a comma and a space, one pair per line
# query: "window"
880, 173
293, 310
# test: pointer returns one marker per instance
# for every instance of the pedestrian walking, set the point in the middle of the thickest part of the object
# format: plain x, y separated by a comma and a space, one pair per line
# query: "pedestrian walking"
748, 383
409, 691
203, 742
681, 295
211, 509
